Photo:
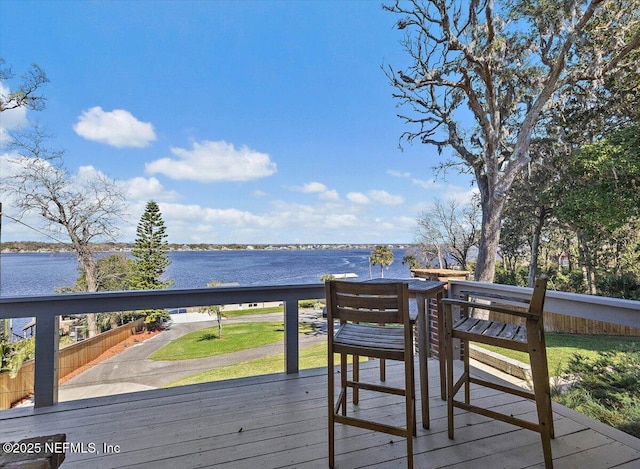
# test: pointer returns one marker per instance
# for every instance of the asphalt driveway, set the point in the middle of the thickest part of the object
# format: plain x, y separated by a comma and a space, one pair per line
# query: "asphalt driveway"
132, 370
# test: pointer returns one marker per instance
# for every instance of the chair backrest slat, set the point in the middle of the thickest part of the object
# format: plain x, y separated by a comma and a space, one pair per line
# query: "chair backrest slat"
386, 303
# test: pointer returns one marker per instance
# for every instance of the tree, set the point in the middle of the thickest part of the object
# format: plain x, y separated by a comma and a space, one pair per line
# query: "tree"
527, 210
214, 309
150, 250
483, 80
382, 256
113, 273
537, 192
84, 207
601, 194
151, 253
411, 260
26, 95
452, 229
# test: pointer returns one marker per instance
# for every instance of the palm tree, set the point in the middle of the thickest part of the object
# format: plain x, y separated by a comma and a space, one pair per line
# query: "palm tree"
383, 256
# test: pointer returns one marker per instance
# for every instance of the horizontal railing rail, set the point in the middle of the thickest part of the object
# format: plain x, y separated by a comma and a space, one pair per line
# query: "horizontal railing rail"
47, 308
599, 308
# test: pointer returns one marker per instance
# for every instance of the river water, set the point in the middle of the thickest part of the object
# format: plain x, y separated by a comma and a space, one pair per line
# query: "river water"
43, 273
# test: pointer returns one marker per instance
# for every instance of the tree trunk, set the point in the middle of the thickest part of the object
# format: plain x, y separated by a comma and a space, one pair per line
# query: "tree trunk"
535, 246
88, 266
489, 239
586, 264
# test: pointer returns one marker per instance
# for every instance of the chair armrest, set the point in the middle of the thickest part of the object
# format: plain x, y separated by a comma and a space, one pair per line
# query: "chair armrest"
490, 307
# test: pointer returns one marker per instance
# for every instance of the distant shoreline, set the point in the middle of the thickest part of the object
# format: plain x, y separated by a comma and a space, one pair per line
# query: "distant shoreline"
31, 247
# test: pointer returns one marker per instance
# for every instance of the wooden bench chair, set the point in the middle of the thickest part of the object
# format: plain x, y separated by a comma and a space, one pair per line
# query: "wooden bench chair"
528, 337
369, 315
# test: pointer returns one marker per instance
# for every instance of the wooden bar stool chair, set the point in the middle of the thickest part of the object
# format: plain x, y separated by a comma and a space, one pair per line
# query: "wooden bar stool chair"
526, 338
370, 316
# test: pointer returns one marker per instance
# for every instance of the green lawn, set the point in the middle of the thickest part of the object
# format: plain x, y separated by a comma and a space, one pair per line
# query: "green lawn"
206, 343
313, 356
246, 312
560, 348
272, 309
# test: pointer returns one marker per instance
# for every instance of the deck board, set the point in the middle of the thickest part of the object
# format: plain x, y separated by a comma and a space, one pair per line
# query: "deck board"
278, 421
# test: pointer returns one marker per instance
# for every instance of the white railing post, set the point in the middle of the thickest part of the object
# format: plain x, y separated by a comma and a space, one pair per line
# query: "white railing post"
45, 389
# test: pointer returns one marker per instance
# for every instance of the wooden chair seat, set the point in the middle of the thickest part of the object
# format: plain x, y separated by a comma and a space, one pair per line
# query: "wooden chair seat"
496, 333
374, 341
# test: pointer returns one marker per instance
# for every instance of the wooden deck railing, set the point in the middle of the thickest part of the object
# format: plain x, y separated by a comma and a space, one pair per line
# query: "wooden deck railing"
47, 308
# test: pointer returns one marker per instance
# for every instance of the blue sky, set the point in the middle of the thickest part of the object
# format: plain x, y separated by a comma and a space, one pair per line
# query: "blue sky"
247, 121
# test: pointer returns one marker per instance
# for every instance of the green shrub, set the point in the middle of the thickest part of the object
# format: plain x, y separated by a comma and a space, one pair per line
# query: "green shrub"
607, 388
625, 285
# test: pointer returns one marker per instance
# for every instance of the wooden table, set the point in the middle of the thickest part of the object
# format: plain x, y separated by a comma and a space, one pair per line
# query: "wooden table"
424, 291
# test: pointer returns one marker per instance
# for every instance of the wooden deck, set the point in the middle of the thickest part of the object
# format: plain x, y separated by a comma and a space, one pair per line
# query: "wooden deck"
277, 421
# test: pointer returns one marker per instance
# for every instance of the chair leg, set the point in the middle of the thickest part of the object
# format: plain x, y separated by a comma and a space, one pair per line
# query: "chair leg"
410, 408
542, 392
464, 349
356, 378
330, 394
449, 387
442, 349
383, 370
343, 383
413, 400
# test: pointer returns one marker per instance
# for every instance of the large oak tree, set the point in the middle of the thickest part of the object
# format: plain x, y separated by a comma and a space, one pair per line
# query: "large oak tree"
484, 78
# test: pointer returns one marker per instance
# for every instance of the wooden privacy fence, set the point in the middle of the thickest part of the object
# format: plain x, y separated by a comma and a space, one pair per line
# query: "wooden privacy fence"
70, 358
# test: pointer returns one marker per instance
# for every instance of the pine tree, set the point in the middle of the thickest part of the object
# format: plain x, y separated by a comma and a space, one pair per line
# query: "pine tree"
150, 250
151, 253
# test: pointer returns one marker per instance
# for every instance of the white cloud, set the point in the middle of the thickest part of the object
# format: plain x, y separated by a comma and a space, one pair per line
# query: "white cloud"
385, 198
460, 194
331, 195
117, 128
324, 193
342, 220
358, 198
140, 188
425, 184
211, 161
314, 187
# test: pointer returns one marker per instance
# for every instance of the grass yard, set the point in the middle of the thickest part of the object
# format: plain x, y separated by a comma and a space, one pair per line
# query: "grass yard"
313, 356
560, 348
247, 312
206, 343
268, 310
